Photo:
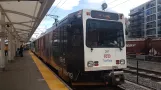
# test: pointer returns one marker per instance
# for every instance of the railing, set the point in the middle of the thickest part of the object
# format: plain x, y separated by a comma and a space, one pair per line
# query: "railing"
137, 39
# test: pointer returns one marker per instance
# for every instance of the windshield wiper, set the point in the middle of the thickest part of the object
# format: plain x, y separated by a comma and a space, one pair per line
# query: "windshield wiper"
120, 48
119, 42
91, 49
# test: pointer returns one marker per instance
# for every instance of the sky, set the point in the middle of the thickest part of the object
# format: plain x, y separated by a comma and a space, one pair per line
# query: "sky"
63, 7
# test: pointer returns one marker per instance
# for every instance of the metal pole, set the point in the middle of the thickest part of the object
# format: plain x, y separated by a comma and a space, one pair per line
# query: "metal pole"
14, 44
156, 18
9, 46
2, 54
12, 51
137, 71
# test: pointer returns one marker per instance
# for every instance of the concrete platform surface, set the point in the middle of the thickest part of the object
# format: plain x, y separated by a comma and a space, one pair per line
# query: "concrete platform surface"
22, 74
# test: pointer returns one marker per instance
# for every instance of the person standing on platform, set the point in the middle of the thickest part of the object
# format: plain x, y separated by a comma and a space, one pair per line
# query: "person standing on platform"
6, 50
21, 51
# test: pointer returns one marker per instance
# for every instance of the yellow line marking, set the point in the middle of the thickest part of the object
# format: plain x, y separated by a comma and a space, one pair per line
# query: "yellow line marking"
53, 82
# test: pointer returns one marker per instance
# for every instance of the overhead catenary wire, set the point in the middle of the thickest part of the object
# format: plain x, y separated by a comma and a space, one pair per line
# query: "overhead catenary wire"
55, 6
66, 1
108, 3
112, 1
61, 5
52, 10
119, 4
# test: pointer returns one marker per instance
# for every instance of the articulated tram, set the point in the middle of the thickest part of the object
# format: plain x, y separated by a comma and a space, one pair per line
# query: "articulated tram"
86, 46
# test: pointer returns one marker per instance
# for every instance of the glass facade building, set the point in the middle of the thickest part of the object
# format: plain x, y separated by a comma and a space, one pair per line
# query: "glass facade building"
145, 20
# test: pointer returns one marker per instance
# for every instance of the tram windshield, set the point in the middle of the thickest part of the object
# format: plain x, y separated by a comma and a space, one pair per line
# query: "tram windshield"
101, 33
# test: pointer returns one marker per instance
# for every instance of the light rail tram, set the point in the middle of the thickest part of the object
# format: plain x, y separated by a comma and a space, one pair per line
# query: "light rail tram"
86, 46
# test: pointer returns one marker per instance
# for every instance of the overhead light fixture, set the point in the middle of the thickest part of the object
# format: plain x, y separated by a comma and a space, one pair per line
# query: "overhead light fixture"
8, 25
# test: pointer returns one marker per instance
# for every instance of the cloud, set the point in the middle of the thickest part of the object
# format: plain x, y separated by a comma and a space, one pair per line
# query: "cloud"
44, 25
66, 4
95, 1
120, 6
96, 4
125, 8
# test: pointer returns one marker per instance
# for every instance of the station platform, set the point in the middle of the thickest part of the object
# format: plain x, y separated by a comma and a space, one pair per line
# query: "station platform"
29, 73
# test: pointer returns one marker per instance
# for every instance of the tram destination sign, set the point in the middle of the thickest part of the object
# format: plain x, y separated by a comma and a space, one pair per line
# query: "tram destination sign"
104, 15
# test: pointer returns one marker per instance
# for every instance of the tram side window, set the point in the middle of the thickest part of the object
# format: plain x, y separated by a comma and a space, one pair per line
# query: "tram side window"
64, 38
44, 42
61, 39
76, 37
55, 38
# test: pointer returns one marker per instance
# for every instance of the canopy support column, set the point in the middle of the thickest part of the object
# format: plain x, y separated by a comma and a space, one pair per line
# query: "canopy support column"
2, 53
10, 50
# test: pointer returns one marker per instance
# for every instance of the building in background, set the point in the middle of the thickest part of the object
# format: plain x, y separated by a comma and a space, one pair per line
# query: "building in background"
145, 20
127, 23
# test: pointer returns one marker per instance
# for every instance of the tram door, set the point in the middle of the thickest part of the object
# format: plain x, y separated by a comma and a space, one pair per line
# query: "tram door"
47, 47
63, 45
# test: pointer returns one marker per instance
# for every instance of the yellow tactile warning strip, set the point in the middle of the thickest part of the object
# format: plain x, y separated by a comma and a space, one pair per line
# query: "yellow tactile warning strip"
53, 82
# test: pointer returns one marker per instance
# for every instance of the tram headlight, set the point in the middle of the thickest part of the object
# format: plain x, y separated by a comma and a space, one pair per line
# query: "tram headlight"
122, 61
117, 79
90, 63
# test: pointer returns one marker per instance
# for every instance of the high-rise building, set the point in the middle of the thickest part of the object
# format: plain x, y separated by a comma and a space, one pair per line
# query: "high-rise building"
145, 20
127, 23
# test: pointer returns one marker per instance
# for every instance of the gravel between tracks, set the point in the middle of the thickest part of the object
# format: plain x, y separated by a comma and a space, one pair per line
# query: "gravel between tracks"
145, 65
129, 86
143, 81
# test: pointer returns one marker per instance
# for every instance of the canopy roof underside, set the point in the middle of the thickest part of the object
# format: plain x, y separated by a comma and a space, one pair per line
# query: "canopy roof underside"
24, 16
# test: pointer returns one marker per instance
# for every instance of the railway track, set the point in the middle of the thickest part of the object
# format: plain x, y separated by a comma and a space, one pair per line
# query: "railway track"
144, 83
146, 78
132, 86
154, 75
155, 59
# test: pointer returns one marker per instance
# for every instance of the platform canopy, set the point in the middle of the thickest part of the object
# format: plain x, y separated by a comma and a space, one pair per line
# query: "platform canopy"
24, 16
